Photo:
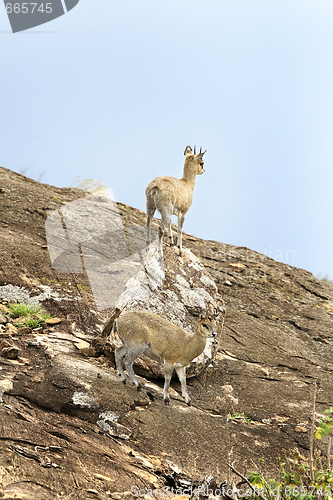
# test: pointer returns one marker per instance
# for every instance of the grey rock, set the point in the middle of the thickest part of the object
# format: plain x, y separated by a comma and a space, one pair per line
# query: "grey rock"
3, 319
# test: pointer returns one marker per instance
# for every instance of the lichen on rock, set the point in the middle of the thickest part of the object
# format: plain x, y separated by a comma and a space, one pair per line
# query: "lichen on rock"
185, 289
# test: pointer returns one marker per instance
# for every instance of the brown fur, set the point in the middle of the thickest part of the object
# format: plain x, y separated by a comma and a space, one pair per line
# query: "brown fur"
171, 196
146, 332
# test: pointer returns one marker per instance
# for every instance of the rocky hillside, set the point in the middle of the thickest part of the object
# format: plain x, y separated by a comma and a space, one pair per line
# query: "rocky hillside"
70, 429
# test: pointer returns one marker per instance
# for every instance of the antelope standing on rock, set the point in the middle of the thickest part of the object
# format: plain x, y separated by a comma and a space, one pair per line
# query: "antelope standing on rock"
146, 332
171, 196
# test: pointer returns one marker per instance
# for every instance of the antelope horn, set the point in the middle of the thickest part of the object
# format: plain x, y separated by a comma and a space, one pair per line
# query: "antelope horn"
200, 149
194, 151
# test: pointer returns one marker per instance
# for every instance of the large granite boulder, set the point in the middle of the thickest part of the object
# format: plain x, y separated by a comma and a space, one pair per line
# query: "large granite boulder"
175, 289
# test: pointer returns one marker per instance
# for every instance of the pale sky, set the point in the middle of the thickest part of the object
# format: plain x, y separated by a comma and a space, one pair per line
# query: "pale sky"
115, 91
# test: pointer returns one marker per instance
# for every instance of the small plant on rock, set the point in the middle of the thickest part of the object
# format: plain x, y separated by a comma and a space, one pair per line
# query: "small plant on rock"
293, 480
19, 310
240, 417
32, 315
325, 425
325, 429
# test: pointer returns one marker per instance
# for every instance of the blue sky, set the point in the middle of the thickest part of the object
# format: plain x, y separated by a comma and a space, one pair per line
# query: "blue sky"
115, 91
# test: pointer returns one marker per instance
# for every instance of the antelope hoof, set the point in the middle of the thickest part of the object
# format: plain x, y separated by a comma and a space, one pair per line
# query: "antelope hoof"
123, 381
188, 403
167, 402
138, 387
180, 253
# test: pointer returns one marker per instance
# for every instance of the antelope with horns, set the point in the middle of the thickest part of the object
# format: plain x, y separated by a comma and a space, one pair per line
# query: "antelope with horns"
146, 332
171, 196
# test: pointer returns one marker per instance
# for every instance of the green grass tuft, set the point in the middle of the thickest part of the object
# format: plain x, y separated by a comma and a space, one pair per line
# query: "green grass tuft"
35, 314
33, 323
239, 416
19, 310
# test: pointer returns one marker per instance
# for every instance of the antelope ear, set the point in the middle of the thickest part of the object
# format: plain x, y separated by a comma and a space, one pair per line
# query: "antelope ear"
188, 150
200, 155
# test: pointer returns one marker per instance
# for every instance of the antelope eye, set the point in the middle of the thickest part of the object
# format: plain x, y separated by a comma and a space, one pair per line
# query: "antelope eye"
206, 326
